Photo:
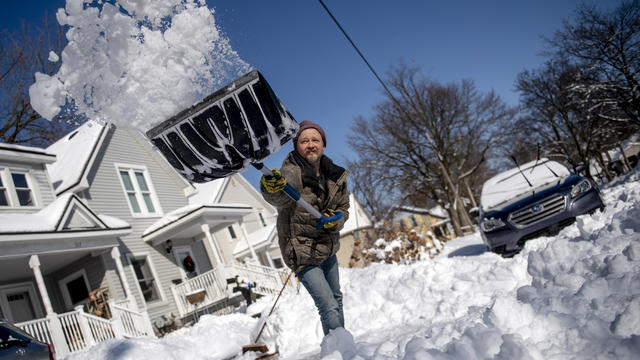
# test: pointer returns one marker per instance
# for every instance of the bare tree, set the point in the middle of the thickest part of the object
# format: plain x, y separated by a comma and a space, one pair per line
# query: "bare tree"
22, 54
607, 44
426, 140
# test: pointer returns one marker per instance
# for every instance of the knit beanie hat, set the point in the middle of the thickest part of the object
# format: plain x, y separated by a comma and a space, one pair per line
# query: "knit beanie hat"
306, 124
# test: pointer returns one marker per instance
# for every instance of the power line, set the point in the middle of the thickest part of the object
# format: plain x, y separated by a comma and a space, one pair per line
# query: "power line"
359, 53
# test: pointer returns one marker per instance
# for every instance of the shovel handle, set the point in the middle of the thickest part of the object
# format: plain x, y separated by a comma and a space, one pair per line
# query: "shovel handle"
293, 193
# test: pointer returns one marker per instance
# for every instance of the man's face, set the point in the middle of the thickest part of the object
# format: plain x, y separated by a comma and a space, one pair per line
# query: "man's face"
310, 145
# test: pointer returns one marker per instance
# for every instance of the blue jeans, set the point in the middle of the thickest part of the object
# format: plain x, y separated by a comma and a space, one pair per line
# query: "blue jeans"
323, 284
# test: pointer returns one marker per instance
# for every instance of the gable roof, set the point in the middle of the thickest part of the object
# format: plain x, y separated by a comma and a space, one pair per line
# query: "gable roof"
66, 214
209, 192
399, 212
212, 192
75, 153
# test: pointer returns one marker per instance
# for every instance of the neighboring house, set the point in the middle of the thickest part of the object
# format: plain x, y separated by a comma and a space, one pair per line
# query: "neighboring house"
423, 221
356, 228
253, 238
102, 209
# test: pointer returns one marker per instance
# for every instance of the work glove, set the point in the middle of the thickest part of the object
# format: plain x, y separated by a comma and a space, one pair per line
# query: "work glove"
329, 225
275, 183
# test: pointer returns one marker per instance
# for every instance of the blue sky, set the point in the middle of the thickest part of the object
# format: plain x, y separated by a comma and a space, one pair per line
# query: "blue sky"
317, 74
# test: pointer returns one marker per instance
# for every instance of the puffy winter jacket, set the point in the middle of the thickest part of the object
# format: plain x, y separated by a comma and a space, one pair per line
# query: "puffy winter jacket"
301, 244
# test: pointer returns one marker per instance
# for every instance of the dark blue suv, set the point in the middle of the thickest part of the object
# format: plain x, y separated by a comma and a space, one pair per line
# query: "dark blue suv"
531, 200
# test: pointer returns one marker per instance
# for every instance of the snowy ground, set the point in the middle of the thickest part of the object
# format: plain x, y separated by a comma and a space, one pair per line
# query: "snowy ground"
576, 295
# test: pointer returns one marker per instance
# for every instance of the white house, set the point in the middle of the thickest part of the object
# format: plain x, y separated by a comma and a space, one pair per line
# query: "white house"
101, 209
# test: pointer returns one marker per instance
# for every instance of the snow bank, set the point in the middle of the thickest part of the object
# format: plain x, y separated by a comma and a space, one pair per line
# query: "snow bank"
136, 63
576, 295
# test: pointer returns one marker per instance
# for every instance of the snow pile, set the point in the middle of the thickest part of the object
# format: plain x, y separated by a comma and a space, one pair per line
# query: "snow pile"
136, 63
575, 295
211, 338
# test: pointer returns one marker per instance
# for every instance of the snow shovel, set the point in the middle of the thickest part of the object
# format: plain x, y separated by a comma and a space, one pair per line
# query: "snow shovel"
263, 347
239, 125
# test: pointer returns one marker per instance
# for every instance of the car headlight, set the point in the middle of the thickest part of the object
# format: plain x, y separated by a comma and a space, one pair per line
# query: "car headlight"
491, 224
580, 188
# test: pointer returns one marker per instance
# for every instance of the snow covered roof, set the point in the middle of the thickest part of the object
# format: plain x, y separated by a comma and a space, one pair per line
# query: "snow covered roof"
209, 192
74, 153
257, 239
399, 212
25, 154
187, 220
513, 185
358, 217
59, 216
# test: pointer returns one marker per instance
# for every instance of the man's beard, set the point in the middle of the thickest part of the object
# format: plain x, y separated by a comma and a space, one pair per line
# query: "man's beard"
312, 158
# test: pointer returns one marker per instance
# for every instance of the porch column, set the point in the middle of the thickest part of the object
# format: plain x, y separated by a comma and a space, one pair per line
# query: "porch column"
246, 238
115, 254
210, 246
34, 264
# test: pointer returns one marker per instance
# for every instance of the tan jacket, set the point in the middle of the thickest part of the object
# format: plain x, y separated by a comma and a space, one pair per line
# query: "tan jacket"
301, 244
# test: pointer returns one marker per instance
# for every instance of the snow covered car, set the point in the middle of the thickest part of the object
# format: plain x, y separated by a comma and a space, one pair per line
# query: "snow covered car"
537, 198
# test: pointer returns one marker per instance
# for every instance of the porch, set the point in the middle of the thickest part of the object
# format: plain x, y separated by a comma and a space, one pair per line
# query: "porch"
52, 302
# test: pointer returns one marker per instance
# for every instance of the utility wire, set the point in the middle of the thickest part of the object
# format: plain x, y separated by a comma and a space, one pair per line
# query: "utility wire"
359, 53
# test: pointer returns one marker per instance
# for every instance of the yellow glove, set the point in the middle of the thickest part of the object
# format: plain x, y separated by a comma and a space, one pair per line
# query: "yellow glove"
275, 183
329, 225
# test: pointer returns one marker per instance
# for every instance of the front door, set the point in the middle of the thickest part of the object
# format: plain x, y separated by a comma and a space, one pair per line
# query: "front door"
181, 253
18, 303
21, 306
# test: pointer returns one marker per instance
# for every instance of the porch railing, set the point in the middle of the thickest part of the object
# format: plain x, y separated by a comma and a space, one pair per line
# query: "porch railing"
269, 281
76, 330
209, 281
131, 323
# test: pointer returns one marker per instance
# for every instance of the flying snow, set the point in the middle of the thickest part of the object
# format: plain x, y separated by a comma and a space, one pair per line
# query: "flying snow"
136, 63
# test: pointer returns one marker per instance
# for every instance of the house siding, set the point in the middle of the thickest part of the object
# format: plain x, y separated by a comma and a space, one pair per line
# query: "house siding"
106, 196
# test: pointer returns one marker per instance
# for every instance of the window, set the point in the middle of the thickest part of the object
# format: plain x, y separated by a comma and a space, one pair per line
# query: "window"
22, 189
277, 262
414, 223
16, 189
139, 191
75, 288
231, 232
146, 279
3, 194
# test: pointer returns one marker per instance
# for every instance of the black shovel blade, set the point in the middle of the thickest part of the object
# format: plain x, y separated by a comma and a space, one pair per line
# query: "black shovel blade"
242, 123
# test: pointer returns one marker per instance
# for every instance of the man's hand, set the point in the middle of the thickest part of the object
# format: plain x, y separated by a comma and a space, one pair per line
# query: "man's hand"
275, 183
329, 225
